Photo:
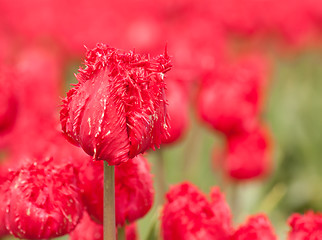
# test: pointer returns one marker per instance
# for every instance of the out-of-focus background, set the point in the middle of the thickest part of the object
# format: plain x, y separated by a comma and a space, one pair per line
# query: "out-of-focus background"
201, 37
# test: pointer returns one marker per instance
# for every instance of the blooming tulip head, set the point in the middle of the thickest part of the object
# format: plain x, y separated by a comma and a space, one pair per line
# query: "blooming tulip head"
231, 97
118, 108
248, 155
188, 214
43, 201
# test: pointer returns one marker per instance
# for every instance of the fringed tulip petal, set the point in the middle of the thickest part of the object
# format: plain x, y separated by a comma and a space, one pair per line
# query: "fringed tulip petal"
118, 108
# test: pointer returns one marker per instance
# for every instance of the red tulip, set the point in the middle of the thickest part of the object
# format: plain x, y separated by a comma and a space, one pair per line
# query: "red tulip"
134, 191
257, 227
305, 227
248, 155
37, 100
117, 110
231, 97
188, 214
44, 201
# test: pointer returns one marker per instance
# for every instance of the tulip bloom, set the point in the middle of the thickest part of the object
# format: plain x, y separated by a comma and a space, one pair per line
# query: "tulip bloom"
248, 155
231, 97
188, 214
307, 226
118, 108
43, 201
257, 227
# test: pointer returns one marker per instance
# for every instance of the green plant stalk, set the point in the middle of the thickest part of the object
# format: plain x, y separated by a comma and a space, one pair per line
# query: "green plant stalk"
109, 203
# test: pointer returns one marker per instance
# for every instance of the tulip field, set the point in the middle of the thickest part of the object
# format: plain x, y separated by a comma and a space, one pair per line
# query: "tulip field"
161, 120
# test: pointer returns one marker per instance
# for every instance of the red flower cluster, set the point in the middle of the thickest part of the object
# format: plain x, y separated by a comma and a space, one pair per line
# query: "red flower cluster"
118, 108
42, 199
134, 191
37, 100
188, 214
305, 227
231, 101
144, 24
297, 23
231, 97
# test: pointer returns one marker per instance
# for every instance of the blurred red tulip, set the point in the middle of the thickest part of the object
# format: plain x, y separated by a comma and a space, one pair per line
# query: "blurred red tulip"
307, 226
188, 214
231, 98
37, 84
248, 155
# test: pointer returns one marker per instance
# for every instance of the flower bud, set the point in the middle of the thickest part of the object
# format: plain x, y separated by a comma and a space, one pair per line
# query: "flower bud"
118, 108
248, 154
